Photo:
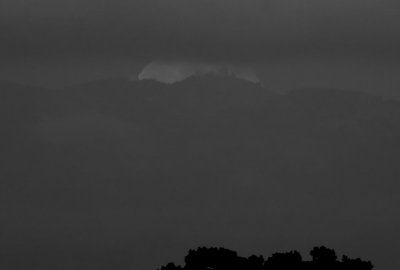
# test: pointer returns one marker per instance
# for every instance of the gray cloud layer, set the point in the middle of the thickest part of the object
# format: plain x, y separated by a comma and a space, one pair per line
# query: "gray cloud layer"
235, 30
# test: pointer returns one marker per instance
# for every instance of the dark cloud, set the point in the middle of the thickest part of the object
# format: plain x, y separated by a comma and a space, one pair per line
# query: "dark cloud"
300, 43
235, 30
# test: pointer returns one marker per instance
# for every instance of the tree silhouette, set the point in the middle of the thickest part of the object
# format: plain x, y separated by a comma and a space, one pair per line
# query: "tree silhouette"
323, 258
171, 266
212, 258
255, 262
349, 264
323, 255
288, 260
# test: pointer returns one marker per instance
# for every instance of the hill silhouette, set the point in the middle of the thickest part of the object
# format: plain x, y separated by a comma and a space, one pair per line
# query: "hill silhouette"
102, 160
224, 259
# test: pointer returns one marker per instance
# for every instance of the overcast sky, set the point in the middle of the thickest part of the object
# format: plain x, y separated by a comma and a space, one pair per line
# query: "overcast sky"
237, 30
102, 38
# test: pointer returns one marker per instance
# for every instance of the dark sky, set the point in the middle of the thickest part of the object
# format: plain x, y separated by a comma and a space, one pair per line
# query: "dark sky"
85, 39
234, 30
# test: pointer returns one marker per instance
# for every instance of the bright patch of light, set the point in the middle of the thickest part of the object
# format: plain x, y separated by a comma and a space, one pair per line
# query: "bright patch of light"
171, 72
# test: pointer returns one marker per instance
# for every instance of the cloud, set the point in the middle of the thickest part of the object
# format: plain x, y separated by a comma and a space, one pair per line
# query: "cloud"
170, 72
219, 29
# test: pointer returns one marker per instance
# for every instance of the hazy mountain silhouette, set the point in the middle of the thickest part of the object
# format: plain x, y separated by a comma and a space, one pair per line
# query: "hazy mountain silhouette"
319, 158
306, 131
306, 134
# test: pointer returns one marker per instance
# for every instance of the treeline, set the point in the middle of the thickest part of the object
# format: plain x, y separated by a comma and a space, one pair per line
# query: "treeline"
224, 259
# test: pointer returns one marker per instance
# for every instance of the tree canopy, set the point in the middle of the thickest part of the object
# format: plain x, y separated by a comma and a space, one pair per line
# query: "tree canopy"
213, 258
